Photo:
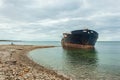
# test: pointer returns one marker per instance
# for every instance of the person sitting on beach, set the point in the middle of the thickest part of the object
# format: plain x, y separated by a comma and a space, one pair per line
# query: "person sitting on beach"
12, 43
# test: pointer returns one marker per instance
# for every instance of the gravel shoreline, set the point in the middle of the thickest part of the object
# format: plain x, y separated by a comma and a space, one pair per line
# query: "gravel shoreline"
15, 65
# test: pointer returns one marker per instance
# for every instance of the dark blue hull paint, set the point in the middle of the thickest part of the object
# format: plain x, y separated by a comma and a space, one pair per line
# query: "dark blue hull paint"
81, 37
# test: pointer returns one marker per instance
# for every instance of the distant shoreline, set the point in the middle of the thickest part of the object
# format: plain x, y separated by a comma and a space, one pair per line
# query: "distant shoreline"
15, 64
11, 40
25, 41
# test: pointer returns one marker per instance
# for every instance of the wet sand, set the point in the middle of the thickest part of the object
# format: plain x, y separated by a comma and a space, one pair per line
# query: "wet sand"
15, 65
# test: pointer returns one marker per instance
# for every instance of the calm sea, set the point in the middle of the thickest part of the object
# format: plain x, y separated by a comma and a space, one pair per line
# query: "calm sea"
41, 43
101, 63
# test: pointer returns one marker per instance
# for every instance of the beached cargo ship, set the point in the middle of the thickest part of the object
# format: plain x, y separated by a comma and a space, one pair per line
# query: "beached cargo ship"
84, 38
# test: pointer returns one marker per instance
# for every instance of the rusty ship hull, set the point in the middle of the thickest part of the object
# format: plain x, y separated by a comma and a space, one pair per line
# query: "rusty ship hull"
80, 39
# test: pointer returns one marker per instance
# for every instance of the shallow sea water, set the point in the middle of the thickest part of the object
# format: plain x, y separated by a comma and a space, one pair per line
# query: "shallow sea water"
101, 63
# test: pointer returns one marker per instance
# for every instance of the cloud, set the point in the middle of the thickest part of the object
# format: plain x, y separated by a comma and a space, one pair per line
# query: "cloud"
31, 10
1, 3
48, 19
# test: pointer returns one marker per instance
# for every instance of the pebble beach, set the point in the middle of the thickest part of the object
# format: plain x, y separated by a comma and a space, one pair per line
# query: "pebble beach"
15, 65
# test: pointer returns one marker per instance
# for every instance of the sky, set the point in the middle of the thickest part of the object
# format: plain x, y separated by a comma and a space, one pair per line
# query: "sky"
46, 20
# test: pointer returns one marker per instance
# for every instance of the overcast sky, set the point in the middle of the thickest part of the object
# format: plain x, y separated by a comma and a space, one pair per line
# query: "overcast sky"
46, 20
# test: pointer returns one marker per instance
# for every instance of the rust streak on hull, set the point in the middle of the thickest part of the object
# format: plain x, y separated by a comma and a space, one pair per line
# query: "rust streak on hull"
71, 45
